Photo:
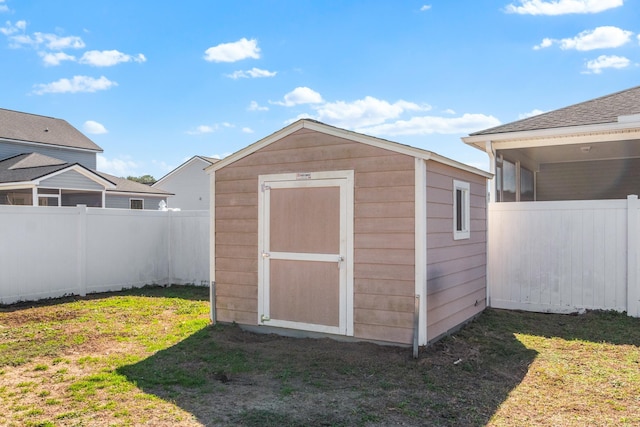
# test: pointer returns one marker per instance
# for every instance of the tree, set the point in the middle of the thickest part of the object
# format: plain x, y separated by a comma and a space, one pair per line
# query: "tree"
144, 179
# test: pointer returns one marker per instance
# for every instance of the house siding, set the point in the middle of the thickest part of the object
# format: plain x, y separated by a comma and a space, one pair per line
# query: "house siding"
86, 159
71, 180
190, 184
456, 269
384, 274
617, 179
122, 202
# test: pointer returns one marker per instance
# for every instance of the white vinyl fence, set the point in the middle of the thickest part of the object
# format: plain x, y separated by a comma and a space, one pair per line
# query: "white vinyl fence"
53, 251
563, 257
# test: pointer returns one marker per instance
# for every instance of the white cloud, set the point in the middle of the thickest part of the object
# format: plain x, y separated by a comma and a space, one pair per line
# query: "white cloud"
10, 28
534, 112
426, 125
596, 66
253, 73
93, 127
364, 112
108, 58
425, 8
247, 130
49, 41
232, 52
300, 95
119, 167
76, 84
220, 156
203, 129
52, 59
599, 38
562, 7
449, 111
3, 7
254, 106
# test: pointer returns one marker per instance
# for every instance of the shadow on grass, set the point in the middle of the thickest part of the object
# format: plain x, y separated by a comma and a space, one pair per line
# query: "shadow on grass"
223, 375
187, 292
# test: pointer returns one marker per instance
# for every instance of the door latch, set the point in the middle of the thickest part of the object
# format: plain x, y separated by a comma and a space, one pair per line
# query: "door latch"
265, 255
264, 318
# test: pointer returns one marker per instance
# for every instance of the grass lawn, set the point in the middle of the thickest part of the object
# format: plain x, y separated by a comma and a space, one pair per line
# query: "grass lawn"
150, 357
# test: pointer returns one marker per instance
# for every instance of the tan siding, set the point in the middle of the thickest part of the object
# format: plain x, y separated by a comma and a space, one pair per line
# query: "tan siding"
383, 222
456, 269
384, 287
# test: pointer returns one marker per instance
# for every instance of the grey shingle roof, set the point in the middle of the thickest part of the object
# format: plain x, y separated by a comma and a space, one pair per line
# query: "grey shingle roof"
605, 109
44, 130
9, 173
29, 166
128, 186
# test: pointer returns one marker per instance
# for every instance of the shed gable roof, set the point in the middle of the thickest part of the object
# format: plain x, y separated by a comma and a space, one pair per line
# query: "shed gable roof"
32, 128
605, 109
346, 134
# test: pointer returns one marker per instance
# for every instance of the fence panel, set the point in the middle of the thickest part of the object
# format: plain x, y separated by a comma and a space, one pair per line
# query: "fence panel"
53, 251
558, 256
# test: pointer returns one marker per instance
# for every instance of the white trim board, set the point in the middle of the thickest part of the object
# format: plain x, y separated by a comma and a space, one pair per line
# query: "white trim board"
348, 135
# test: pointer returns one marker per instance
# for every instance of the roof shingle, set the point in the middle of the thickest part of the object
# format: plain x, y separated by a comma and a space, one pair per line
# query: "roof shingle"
605, 109
19, 126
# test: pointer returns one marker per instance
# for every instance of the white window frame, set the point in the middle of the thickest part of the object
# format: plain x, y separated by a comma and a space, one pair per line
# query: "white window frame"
464, 210
132, 199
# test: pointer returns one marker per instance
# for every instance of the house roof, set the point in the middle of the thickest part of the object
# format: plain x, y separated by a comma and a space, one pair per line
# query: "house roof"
127, 186
32, 128
346, 134
13, 169
29, 167
206, 161
605, 109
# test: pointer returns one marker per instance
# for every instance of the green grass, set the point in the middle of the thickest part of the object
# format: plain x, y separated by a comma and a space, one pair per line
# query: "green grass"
149, 356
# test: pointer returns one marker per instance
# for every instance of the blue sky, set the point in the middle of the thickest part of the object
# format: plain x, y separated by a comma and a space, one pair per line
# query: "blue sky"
154, 83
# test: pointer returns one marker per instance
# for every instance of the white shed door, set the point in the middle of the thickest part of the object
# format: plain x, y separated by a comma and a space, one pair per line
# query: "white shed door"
304, 276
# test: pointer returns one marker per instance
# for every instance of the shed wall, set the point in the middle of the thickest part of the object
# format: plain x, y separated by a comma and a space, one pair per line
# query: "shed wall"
384, 276
456, 269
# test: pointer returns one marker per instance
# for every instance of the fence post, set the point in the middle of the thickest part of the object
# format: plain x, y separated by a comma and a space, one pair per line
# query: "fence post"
633, 285
82, 249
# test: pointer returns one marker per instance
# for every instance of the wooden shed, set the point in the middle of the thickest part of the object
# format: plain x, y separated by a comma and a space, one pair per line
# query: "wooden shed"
324, 230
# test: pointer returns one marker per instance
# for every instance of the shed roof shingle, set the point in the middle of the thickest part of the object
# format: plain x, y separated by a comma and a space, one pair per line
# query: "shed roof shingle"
605, 109
15, 125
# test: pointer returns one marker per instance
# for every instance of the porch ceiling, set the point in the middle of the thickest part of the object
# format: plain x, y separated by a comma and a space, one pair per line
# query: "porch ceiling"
575, 152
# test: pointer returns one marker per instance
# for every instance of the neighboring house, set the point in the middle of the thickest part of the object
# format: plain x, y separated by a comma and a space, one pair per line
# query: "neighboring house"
45, 161
322, 230
189, 184
587, 151
572, 242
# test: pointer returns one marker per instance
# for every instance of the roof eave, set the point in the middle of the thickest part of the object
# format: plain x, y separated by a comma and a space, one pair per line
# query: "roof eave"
558, 136
345, 134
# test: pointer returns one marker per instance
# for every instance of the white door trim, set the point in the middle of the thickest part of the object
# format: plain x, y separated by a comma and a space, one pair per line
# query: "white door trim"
345, 181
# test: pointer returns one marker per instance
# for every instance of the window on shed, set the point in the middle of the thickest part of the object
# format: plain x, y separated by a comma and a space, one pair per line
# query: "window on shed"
136, 204
461, 210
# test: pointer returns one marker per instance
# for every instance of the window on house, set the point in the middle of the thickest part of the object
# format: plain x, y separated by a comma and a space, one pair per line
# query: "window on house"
526, 185
136, 204
48, 197
508, 181
461, 210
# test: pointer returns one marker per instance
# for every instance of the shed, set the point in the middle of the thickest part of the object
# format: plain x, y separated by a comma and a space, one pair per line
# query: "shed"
320, 230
